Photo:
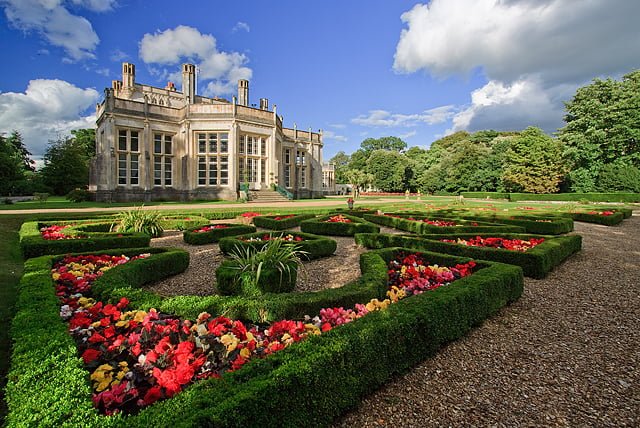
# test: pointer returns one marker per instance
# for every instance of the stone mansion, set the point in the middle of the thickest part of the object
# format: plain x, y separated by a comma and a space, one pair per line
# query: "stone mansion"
159, 143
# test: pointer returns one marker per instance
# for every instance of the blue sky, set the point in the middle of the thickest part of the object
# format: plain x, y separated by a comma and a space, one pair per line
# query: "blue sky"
355, 69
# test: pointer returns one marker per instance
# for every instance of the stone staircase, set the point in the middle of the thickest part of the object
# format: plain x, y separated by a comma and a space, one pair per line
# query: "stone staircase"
266, 196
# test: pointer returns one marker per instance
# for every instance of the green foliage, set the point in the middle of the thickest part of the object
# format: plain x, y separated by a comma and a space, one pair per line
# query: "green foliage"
16, 166
139, 220
66, 161
602, 127
618, 177
340, 162
312, 247
33, 245
319, 226
534, 163
388, 169
78, 195
536, 262
214, 235
270, 222
182, 222
393, 144
417, 226
592, 197
271, 269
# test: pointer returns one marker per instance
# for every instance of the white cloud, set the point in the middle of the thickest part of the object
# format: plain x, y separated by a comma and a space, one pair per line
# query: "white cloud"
385, 118
48, 109
522, 47
118, 56
338, 125
407, 135
241, 26
330, 135
222, 70
53, 21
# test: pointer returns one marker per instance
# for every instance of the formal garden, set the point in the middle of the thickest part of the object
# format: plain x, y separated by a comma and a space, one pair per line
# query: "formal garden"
129, 319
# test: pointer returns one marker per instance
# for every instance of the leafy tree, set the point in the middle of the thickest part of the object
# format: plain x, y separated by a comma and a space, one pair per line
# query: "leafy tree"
16, 166
358, 178
385, 143
66, 162
535, 163
618, 177
388, 169
341, 163
602, 126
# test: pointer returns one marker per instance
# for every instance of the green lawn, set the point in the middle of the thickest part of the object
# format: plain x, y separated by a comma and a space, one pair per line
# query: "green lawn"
57, 202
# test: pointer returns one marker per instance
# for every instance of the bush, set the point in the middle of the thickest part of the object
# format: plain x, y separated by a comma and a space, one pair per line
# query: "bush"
536, 262
78, 195
182, 222
320, 226
250, 272
592, 197
312, 246
531, 224
615, 177
485, 195
41, 197
137, 220
417, 226
597, 218
33, 245
279, 223
190, 236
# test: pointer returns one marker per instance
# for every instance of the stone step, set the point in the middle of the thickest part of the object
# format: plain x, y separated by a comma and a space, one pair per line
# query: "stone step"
266, 196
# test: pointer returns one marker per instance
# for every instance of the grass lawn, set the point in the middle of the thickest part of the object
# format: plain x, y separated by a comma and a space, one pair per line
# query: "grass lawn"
57, 202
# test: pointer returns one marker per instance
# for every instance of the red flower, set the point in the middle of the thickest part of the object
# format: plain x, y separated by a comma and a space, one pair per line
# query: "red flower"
90, 355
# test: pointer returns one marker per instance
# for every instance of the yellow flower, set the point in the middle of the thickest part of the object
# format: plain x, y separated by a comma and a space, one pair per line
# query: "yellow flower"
230, 341
245, 353
56, 276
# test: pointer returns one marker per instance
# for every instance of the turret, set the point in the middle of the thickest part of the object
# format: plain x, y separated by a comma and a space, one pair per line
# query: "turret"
189, 82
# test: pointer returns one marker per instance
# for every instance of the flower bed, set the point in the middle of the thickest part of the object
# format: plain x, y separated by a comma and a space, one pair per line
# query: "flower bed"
281, 222
536, 262
422, 225
37, 239
606, 217
521, 245
213, 233
345, 362
313, 246
338, 225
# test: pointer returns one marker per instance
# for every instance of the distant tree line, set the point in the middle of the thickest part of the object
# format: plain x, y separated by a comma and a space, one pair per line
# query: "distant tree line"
596, 151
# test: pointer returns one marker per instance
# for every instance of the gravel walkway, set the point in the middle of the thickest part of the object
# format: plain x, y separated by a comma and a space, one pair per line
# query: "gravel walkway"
198, 279
566, 354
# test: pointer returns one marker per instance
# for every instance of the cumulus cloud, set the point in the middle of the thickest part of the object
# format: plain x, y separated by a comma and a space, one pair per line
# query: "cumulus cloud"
56, 24
384, 118
241, 26
47, 110
219, 70
330, 135
521, 46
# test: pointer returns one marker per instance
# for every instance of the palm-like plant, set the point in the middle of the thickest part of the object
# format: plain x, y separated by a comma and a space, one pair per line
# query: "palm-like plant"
137, 220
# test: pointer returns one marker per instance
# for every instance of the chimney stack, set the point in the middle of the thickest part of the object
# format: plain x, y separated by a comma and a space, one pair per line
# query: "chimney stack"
264, 104
189, 82
243, 92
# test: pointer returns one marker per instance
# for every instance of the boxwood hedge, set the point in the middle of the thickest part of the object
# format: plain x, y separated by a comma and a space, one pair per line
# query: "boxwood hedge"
323, 376
182, 222
320, 226
536, 224
313, 246
419, 227
214, 235
229, 281
607, 220
271, 222
536, 262
33, 245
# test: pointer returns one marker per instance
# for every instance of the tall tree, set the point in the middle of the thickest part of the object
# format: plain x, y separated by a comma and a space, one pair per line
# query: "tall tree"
341, 162
534, 163
388, 169
66, 162
385, 143
16, 166
602, 126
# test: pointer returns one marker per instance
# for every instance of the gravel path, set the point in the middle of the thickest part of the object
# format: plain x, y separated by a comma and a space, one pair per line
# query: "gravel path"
198, 279
566, 354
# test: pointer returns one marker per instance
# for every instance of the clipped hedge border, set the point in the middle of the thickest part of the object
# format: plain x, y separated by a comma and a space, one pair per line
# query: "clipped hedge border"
214, 235
591, 197
313, 245
270, 222
536, 262
609, 220
47, 382
319, 226
422, 228
324, 375
229, 281
182, 222
540, 225
33, 245
485, 195
356, 212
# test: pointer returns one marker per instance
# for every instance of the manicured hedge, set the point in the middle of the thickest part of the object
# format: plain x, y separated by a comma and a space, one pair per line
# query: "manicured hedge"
229, 282
536, 262
419, 227
314, 246
33, 245
609, 220
591, 197
540, 225
182, 222
47, 383
319, 226
324, 375
357, 212
485, 195
214, 235
270, 222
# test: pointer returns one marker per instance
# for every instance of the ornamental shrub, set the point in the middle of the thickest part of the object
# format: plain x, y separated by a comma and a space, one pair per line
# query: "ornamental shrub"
78, 195
137, 220
615, 177
281, 222
192, 237
312, 246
